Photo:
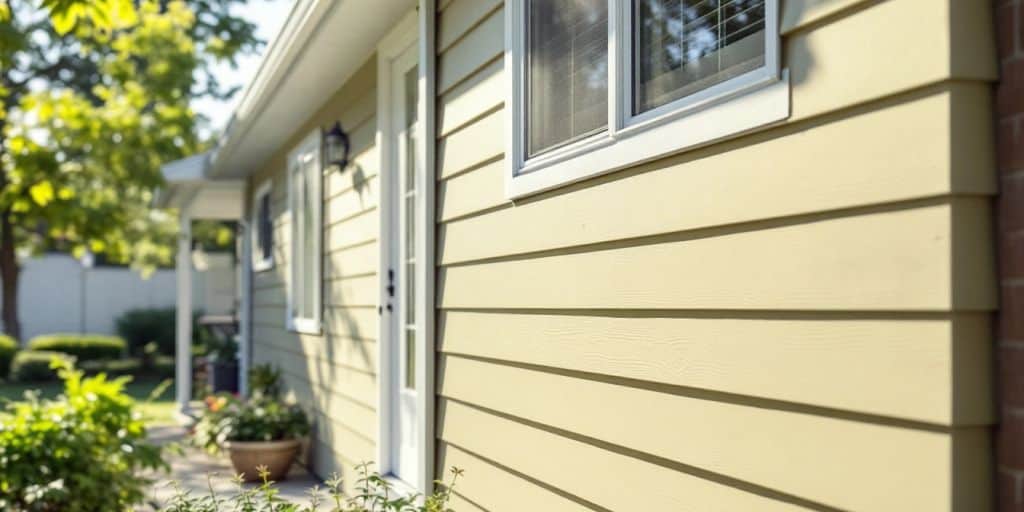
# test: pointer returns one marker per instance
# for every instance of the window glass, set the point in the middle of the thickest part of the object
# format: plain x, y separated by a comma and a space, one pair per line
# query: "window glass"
567, 71
410, 195
684, 46
265, 229
308, 238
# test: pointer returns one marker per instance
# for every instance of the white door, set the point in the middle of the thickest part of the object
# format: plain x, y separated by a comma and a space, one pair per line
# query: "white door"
403, 271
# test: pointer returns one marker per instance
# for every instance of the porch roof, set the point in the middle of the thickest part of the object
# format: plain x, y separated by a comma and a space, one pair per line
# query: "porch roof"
191, 190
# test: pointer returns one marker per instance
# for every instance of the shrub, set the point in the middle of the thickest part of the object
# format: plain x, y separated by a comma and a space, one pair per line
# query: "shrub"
372, 493
85, 347
84, 451
141, 326
161, 368
8, 347
34, 365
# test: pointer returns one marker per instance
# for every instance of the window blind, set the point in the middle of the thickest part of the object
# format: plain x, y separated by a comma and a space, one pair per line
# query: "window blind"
567, 71
684, 46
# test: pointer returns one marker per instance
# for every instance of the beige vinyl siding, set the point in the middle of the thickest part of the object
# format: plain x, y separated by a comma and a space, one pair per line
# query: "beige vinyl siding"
332, 374
793, 319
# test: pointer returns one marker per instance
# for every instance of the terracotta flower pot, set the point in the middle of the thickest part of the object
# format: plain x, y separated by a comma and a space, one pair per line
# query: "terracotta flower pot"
277, 456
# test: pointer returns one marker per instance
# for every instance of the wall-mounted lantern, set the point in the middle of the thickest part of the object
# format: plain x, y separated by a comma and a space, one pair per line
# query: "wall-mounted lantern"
336, 147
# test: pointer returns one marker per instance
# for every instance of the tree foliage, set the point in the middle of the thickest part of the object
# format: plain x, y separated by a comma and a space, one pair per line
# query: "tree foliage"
97, 97
94, 96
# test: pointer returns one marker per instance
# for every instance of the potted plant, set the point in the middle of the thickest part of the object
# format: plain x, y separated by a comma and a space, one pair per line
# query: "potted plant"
222, 365
260, 432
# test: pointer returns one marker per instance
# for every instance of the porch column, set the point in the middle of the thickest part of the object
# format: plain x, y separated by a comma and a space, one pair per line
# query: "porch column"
183, 352
245, 308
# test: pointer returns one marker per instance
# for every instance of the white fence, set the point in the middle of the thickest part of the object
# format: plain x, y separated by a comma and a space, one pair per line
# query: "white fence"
59, 294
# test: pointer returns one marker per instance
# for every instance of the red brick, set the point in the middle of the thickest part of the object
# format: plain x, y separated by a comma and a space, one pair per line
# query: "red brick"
1007, 22
1010, 439
1009, 495
1011, 375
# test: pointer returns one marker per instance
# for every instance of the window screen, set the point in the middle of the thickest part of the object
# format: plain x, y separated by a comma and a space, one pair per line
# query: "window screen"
567, 71
684, 46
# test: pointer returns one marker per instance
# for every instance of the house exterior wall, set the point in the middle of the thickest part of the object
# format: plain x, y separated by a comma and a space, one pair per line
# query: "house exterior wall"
1009, 120
796, 318
332, 374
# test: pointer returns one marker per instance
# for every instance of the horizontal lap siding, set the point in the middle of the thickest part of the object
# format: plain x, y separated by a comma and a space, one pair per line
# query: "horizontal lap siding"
332, 374
797, 318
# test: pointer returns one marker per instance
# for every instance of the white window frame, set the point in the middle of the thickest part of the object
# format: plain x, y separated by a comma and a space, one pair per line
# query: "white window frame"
309, 325
740, 105
260, 264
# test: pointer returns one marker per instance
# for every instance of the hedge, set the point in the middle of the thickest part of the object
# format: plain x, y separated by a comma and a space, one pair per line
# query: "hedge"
161, 368
8, 347
34, 366
141, 326
85, 347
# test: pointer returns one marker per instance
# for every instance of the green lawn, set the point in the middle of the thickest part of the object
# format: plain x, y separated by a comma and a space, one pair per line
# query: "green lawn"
157, 412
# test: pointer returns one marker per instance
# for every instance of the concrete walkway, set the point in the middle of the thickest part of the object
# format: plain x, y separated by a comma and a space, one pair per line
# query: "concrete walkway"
195, 472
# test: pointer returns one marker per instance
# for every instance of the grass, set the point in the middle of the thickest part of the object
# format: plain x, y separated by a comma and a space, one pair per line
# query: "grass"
158, 412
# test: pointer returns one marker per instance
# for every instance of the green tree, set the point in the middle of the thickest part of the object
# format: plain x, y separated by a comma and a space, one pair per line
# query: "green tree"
94, 96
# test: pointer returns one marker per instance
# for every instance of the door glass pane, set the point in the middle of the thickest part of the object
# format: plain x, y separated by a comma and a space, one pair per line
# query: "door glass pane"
567, 71
410, 175
684, 46
410, 359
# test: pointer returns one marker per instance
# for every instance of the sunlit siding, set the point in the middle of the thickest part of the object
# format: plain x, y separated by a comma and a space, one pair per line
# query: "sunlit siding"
797, 318
333, 375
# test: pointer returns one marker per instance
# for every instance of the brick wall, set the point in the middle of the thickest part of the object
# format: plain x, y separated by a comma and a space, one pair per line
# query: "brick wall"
1010, 147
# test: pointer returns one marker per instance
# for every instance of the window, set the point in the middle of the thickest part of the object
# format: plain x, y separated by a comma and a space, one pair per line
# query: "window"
599, 85
262, 230
304, 205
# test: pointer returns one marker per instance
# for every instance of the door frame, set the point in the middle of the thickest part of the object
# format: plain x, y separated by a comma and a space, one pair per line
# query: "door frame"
417, 27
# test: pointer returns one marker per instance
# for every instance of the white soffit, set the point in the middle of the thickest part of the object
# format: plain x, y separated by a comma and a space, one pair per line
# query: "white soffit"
321, 45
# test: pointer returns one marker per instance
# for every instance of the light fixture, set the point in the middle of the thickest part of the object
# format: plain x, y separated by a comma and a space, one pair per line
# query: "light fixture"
336, 146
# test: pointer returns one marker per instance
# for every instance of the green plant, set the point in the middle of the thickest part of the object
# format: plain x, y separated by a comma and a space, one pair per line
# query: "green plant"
141, 326
85, 347
372, 493
8, 347
222, 350
228, 418
161, 367
84, 451
265, 380
35, 365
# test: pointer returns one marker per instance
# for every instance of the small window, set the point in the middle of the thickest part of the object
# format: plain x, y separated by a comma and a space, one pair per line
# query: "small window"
305, 207
600, 85
262, 230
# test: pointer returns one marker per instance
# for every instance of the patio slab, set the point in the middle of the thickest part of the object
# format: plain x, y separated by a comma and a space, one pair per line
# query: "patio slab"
196, 472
